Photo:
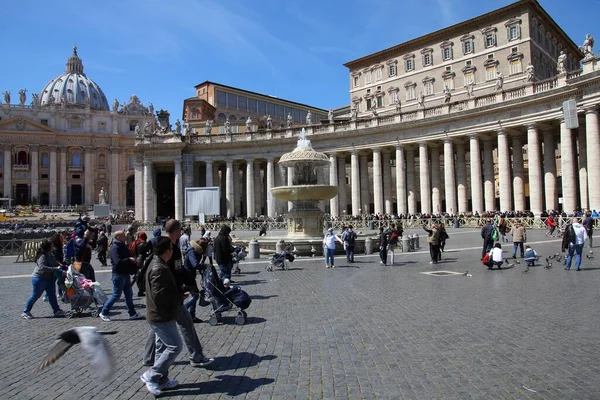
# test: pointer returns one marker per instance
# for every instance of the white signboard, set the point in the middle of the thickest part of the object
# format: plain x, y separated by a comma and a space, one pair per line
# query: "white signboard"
202, 200
101, 210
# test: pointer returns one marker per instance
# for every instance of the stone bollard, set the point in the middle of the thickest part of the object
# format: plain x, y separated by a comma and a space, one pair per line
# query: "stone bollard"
368, 246
417, 245
254, 249
279, 246
413, 242
456, 223
405, 244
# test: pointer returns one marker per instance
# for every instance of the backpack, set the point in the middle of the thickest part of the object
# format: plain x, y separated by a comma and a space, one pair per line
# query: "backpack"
487, 259
394, 238
70, 248
431, 238
495, 234
350, 238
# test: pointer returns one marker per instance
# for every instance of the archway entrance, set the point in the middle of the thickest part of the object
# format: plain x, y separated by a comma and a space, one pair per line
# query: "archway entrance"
76, 197
130, 192
44, 199
22, 194
165, 194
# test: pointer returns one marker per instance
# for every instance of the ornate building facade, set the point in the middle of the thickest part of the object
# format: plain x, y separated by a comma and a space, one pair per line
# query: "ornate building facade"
66, 144
467, 119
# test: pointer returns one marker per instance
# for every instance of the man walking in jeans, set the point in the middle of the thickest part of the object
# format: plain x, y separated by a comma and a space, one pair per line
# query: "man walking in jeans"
163, 298
574, 239
123, 265
223, 249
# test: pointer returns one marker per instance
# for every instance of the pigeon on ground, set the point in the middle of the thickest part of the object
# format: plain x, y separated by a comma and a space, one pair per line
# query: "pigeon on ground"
92, 342
548, 264
550, 257
466, 273
589, 257
526, 271
518, 262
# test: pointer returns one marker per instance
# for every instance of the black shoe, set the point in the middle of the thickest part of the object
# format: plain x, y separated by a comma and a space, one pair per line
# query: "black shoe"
196, 320
499, 267
142, 294
202, 364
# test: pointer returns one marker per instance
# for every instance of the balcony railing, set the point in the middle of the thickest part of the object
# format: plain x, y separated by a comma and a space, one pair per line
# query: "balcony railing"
75, 168
20, 167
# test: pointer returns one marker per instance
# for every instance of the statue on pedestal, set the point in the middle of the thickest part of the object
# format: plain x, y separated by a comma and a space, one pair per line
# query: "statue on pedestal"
6, 97
138, 130
35, 101
529, 73
470, 87
102, 196
421, 100
249, 125
22, 97
151, 109
398, 105
227, 126
208, 127
499, 81
115, 105
178, 127
561, 63
147, 128
269, 123
330, 116
353, 114
308, 118
588, 47
187, 130
289, 120
447, 95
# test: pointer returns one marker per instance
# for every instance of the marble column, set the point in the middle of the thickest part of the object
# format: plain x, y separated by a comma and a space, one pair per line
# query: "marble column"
518, 175
229, 182
209, 173
114, 181
411, 196
550, 172
8, 192
89, 178
476, 184
567, 163
400, 181
592, 134
35, 173
387, 182
188, 170
258, 189
139, 187
489, 181
436, 184
534, 160
52, 192
504, 172
343, 191
64, 196
250, 206
582, 164
355, 182
178, 189
461, 178
238, 188
424, 178
334, 204
365, 199
290, 182
449, 177
148, 192
377, 182
270, 183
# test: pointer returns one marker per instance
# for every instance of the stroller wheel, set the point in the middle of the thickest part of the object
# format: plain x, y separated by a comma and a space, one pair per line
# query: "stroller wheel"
240, 319
244, 313
95, 313
213, 321
69, 314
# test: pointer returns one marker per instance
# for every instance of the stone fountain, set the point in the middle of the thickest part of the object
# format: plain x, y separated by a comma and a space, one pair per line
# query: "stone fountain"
305, 219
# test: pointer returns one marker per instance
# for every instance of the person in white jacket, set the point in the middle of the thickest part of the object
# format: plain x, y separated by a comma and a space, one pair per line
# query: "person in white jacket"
329, 247
497, 257
576, 236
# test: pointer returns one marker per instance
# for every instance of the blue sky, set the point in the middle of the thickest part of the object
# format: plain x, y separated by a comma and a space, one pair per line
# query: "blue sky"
160, 49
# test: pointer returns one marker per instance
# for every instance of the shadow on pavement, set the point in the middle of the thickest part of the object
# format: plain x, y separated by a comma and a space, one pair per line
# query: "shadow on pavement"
261, 297
230, 385
239, 360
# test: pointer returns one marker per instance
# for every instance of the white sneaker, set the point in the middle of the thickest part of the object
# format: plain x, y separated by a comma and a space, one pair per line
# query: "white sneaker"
171, 384
27, 315
105, 319
136, 316
153, 388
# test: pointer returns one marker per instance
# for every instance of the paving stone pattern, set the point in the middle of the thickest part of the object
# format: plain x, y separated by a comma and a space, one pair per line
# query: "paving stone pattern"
359, 331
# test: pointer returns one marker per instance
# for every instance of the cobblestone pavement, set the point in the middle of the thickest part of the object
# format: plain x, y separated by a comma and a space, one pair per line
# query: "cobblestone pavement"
359, 331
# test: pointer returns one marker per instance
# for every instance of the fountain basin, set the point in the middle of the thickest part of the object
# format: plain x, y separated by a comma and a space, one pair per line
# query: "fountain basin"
305, 192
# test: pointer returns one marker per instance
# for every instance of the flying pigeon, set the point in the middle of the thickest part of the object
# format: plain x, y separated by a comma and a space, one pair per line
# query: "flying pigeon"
92, 342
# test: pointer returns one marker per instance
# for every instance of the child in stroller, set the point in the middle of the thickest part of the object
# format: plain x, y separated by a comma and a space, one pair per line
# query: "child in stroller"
80, 293
279, 258
223, 298
239, 254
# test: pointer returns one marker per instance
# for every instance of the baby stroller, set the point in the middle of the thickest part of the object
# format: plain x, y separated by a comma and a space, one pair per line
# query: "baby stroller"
81, 294
279, 259
222, 299
239, 254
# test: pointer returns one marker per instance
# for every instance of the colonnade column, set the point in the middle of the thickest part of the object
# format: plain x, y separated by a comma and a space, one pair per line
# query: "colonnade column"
209, 173
377, 182
342, 193
188, 170
400, 181
582, 165
449, 177
476, 185
148, 195
536, 202
461, 178
411, 197
424, 178
229, 197
518, 175
270, 183
387, 182
436, 198
178, 190
114, 182
504, 171
489, 182
8, 172
35, 173
355, 178
88, 178
63, 178
250, 206
139, 187
593, 161
258, 189
52, 192
237, 188
567, 163
550, 172
364, 184
334, 203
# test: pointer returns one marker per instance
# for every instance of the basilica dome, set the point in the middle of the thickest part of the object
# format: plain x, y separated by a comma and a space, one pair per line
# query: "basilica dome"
74, 88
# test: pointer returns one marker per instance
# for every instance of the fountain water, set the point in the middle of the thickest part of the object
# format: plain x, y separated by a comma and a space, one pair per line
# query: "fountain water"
305, 219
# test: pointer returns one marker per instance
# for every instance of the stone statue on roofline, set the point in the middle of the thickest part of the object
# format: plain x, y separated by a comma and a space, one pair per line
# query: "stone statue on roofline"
6, 97
421, 100
588, 47
529, 73
330, 116
470, 87
289, 121
249, 125
178, 127
208, 127
447, 95
561, 63
269, 122
227, 125
115, 105
499, 81
308, 118
22, 96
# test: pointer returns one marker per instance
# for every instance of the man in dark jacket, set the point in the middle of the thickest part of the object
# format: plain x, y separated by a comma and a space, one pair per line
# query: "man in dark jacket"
163, 299
143, 260
101, 247
83, 252
223, 250
486, 234
588, 224
122, 267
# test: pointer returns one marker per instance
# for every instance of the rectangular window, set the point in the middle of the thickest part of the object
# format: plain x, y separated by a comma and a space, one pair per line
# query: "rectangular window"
514, 50
392, 70
231, 100
409, 64
45, 161
243, 103
132, 125
378, 74
428, 88
76, 124
468, 77
75, 176
468, 63
513, 32
44, 122
447, 53
410, 93
221, 98
449, 82
394, 97
490, 56
490, 40
380, 101
368, 91
102, 126
368, 77
262, 107
356, 83
490, 73
252, 106
467, 46
515, 67
44, 176
369, 104
426, 59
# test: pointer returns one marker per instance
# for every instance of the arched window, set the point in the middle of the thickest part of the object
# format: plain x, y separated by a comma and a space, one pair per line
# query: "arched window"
76, 159
22, 158
232, 118
222, 117
101, 161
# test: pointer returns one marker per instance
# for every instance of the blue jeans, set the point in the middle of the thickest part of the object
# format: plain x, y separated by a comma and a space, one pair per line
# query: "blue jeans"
350, 253
329, 256
121, 284
41, 285
191, 304
574, 249
225, 270
168, 346
520, 246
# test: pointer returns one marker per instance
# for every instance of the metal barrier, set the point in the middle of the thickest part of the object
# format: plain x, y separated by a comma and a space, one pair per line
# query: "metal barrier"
28, 250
